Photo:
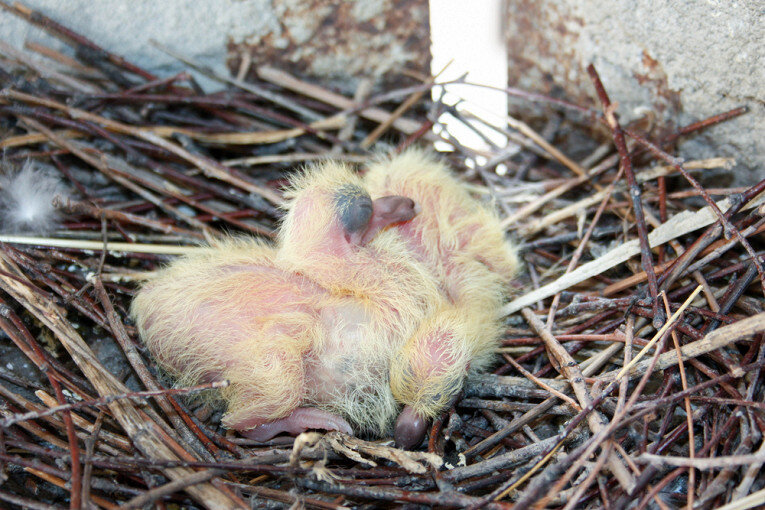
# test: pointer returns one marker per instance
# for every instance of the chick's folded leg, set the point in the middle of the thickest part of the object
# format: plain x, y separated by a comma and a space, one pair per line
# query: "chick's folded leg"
268, 388
429, 371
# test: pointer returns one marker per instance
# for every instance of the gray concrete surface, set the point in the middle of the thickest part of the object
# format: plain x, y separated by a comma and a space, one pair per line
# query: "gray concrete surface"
327, 39
685, 60
200, 29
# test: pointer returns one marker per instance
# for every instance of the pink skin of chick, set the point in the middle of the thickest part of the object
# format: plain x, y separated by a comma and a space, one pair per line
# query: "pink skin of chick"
358, 225
330, 270
463, 246
246, 319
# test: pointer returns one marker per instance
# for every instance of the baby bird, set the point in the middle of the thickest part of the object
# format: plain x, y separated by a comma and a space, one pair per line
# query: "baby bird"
462, 246
304, 331
363, 304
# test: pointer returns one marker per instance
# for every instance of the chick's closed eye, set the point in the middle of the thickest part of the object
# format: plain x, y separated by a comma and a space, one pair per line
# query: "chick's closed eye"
354, 207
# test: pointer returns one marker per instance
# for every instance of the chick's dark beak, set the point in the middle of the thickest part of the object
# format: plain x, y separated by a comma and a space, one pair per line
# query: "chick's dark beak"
362, 218
387, 211
410, 429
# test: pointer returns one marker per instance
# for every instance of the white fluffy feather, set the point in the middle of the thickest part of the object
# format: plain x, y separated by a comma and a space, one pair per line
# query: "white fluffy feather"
26, 198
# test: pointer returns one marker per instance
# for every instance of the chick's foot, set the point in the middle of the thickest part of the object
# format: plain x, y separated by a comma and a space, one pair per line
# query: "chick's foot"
301, 419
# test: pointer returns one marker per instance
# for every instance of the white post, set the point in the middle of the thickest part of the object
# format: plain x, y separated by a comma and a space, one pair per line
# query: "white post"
469, 34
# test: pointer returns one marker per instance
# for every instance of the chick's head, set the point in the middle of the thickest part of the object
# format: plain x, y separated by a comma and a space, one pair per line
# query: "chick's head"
331, 219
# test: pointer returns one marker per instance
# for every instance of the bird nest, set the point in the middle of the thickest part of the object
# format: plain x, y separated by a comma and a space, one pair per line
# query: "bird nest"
628, 375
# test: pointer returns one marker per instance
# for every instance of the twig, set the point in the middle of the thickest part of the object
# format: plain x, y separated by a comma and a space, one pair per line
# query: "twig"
634, 192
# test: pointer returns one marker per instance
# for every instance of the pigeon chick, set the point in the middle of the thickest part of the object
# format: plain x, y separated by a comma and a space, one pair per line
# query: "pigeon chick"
304, 331
463, 247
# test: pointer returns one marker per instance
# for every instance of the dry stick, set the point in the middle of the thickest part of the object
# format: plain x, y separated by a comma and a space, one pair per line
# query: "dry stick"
144, 433
530, 208
680, 224
541, 383
594, 471
537, 410
503, 461
720, 483
85, 244
78, 207
34, 138
22, 502
286, 497
62, 483
725, 246
659, 334
751, 473
76, 481
70, 37
24, 340
131, 353
158, 83
440, 499
363, 90
713, 341
625, 382
572, 209
582, 244
728, 227
702, 464
71, 435
46, 72
398, 112
523, 128
298, 157
116, 440
732, 206
753, 500
39, 432
143, 177
578, 458
249, 137
90, 445
106, 170
584, 451
573, 373
267, 136
283, 79
209, 167
176, 485
646, 258
713, 252
249, 87
709, 121
688, 411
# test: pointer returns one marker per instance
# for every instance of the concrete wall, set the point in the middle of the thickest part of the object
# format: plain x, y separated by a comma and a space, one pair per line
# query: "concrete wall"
686, 60
325, 39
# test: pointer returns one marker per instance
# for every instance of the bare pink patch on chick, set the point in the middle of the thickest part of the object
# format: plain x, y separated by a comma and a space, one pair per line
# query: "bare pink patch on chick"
301, 419
434, 356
